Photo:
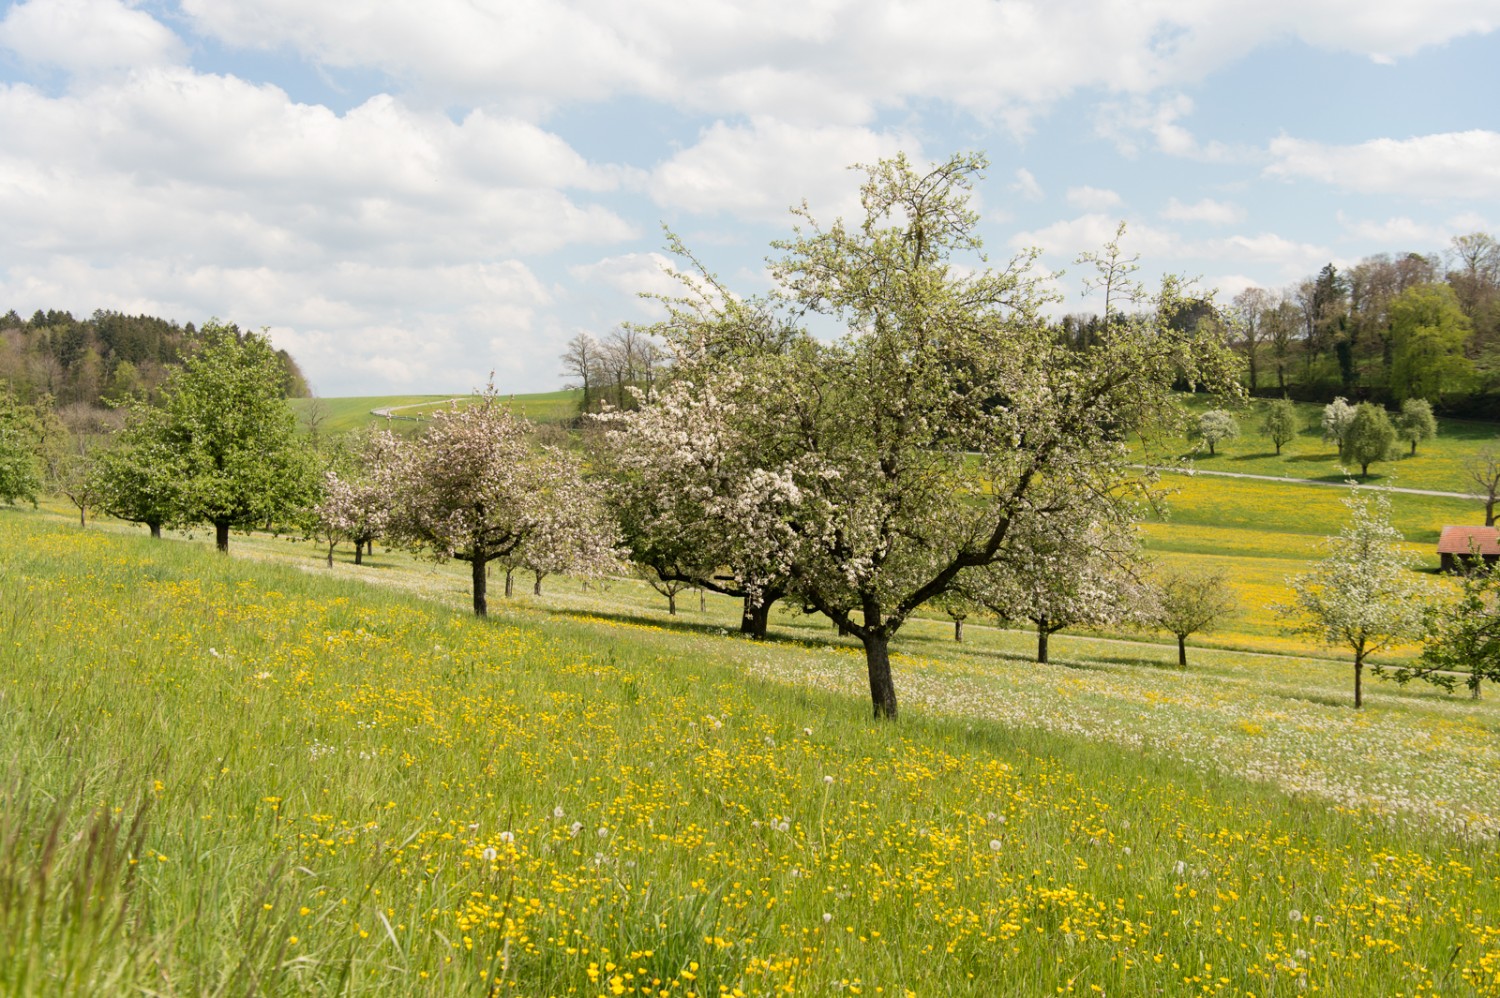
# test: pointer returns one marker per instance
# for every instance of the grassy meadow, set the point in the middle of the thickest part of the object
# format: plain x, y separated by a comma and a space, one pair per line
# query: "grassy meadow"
238, 774
411, 412
1438, 464
256, 774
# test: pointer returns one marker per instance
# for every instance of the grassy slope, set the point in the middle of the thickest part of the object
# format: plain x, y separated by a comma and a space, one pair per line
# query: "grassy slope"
1438, 465
340, 415
342, 788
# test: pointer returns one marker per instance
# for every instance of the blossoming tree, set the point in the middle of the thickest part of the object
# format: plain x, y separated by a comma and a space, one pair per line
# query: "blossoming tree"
892, 460
475, 487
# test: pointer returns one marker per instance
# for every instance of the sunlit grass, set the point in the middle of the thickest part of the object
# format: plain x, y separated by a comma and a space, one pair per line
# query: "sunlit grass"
265, 779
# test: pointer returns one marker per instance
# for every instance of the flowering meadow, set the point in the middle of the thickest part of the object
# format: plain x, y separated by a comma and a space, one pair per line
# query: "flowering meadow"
223, 776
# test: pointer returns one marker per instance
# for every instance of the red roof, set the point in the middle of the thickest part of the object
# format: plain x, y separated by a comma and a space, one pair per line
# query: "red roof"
1464, 540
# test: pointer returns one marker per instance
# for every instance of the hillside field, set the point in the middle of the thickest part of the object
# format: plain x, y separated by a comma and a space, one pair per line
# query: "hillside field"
253, 775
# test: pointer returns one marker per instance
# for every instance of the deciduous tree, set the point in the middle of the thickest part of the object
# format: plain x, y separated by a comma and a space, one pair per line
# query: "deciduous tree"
1281, 424
20, 444
1187, 602
1416, 422
474, 487
1216, 425
904, 453
1370, 437
1363, 595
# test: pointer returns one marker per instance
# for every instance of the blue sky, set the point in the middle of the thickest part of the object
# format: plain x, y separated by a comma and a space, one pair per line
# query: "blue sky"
410, 195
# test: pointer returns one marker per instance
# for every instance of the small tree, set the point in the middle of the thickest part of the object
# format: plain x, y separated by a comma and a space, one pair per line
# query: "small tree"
474, 488
1216, 425
1337, 415
1463, 635
228, 436
1484, 471
1363, 596
20, 442
1064, 575
1416, 422
1370, 437
1281, 423
1189, 602
139, 476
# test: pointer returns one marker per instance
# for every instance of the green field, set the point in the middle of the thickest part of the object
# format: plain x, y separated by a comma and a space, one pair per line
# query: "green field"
1438, 464
222, 774
410, 412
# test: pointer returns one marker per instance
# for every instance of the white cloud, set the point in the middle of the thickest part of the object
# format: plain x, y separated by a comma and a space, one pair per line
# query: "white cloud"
1125, 122
1027, 186
758, 171
87, 37
1092, 198
1207, 210
841, 60
616, 283
1445, 165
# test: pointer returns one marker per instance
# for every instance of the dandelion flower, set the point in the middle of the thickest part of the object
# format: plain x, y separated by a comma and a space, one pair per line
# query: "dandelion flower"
490, 854
507, 836
994, 845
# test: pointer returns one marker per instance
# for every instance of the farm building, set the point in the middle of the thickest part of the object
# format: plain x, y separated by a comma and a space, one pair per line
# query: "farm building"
1459, 544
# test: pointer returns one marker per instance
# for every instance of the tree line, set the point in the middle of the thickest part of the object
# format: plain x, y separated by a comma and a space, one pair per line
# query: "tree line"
1387, 329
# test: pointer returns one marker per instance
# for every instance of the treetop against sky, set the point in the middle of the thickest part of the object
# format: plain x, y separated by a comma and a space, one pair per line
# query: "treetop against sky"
409, 195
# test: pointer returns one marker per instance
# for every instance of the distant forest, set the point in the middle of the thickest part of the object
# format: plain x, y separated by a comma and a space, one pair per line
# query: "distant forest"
1386, 329
105, 358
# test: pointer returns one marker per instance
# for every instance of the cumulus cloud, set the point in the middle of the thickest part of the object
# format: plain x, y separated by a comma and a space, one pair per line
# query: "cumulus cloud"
757, 171
1026, 185
1441, 166
1207, 210
848, 58
87, 37
1126, 122
1092, 198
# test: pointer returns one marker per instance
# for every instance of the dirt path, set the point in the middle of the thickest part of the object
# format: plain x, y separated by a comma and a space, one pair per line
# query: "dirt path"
1310, 481
389, 412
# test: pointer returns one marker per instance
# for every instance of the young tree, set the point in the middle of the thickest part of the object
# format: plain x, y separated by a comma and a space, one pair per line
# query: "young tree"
903, 453
1484, 471
1281, 423
139, 477
1188, 602
1337, 415
355, 504
1364, 595
1416, 422
1216, 425
1370, 437
474, 487
1463, 636
1064, 575
20, 444
233, 436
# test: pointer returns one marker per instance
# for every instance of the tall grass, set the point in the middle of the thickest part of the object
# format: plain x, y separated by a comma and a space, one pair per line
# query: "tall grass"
226, 777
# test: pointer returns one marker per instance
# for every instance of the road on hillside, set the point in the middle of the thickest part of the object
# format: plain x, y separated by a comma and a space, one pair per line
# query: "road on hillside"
1310, 481
389, 412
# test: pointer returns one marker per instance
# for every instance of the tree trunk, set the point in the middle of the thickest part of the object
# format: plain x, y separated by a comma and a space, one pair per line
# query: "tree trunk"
1489, 511
370, 547
359, 551
221, 535
1278, 449
1182, 651
671, 604
1474, 688
509, 582
1359, 670
331, 546
1364, 469
1414, 448
754, 619
155, 531
878, 663
481, 608
702, 601
536, 587
1042, 634
81, 521
958, 629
